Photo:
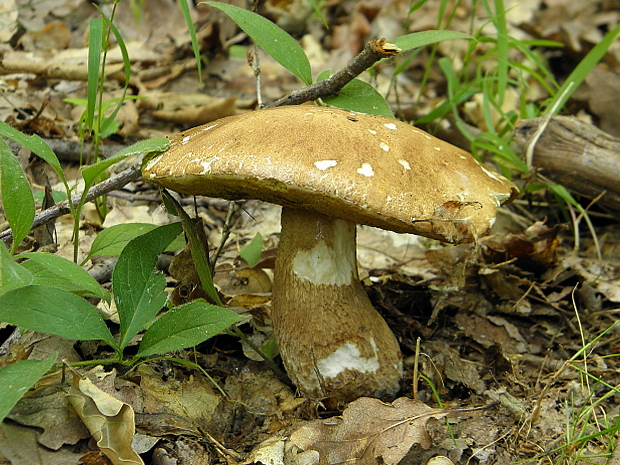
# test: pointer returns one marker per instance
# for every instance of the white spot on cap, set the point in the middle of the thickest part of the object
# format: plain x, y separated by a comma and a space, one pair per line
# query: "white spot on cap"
185, 140
373, 132
384, 146
437, 148
366, 170
209, 127
405, 164
324, 164
348, 357
391, 126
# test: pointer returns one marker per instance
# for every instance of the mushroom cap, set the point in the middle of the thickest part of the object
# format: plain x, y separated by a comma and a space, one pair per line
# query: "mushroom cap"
364, 169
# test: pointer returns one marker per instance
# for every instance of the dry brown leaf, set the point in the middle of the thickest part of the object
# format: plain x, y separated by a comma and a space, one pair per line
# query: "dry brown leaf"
110, 421
46, 408
19, 446
369, 432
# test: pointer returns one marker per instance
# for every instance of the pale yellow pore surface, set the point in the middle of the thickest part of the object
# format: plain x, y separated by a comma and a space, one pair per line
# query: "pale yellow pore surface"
360, 168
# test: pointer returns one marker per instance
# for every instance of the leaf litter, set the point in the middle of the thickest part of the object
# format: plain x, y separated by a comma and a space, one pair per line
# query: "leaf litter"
507, 322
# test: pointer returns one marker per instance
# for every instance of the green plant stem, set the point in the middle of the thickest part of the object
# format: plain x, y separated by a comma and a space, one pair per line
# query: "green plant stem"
199, 254
235, 331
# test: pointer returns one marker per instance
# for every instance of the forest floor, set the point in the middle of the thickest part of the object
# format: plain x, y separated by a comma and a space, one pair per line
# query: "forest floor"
517, 333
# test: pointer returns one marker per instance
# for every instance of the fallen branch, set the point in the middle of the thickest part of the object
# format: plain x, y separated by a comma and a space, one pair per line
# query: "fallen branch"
578, 156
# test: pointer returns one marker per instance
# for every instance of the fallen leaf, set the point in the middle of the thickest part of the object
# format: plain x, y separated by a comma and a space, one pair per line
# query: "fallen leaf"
110, 421
369, 432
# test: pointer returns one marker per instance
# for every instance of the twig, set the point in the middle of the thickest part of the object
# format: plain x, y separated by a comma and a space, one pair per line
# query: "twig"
225, 233
113, 183
373, 52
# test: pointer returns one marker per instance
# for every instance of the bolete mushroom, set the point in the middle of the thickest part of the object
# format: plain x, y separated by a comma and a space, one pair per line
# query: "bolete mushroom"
331, 169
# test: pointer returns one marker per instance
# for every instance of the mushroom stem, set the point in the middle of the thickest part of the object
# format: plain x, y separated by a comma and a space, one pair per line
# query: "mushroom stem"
332, 340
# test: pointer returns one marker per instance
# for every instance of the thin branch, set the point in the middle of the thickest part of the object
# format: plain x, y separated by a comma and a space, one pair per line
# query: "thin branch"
376, 50
62, 208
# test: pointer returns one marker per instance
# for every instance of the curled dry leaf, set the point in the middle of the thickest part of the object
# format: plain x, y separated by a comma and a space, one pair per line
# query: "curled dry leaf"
369, 432
110, 421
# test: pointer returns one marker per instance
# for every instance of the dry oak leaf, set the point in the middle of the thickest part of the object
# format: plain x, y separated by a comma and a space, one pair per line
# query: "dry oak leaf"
369, 432
109, 420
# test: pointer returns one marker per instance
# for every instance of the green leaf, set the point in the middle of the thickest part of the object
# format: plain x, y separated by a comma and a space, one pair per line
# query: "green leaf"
12, 274
193, 38
360, 96
17, 378
35, 144
580, 72
16, 195
111, 241
422, 39
185, 326
54, 311
54, 271
95, 46
138, 288
252, 251
109, 125
273, 40
92, 172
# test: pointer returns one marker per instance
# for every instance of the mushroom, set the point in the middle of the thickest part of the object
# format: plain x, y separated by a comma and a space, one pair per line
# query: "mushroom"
331, 169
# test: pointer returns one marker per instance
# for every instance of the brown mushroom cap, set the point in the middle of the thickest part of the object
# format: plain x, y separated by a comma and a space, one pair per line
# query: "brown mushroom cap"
363, 169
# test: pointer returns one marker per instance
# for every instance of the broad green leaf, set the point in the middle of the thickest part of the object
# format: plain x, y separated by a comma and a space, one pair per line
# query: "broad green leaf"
54, 311
424, 38
252, 251
12, 274
92, 172
17, 378
138, 288
360, 96
17, 199
185, 326
54, 271
273, 40
35, 144
111, 241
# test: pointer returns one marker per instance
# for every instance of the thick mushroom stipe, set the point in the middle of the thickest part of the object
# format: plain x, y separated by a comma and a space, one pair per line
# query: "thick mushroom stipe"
332, 340
331, 169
